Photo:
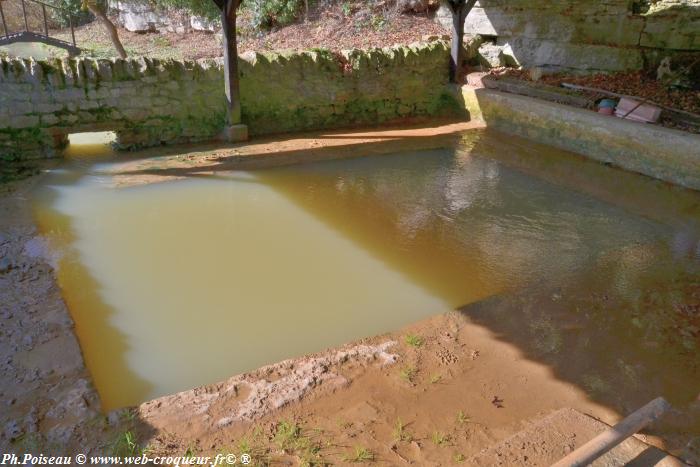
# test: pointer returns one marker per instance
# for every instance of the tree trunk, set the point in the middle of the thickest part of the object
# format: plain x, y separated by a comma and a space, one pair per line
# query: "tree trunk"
109, 26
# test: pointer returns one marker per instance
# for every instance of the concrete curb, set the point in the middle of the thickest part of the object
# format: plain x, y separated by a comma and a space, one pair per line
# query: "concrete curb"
655, 151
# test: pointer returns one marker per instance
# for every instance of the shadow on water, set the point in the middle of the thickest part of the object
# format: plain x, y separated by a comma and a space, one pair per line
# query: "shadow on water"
620, 318
590, 270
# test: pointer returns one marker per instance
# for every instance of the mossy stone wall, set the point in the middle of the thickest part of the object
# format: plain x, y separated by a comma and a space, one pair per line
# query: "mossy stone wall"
152, 102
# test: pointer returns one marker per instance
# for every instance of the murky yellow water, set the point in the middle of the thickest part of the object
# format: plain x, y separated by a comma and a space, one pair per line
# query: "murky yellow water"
178, 284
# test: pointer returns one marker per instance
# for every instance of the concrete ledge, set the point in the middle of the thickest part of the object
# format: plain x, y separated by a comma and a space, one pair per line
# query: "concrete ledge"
663, 153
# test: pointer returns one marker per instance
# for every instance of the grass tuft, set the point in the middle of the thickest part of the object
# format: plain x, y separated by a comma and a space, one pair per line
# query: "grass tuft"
413, 340
462, 418
360, 455
287, 434
440, 438
400, 433
408, 373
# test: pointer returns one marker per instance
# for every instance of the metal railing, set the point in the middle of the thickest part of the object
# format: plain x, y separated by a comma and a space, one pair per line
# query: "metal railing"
31, 36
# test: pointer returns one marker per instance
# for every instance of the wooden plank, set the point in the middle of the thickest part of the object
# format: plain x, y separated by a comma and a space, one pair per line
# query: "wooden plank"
607, 440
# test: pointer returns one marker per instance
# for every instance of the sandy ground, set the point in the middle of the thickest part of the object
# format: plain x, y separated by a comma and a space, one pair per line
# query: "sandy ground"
433, 393
46, 390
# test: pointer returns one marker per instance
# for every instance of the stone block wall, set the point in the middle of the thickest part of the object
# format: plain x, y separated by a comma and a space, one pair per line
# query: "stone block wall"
152, 102
580, 35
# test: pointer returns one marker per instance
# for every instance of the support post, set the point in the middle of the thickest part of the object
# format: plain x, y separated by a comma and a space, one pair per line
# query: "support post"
46, 23
4, 24
234, 131
72, 29
460, 10
24, 13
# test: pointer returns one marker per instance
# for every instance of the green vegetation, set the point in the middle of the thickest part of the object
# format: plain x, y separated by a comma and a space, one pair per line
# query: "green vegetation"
360, 455
267, 14
125, 444
408, 373
413, 340
72, 9
204, 8
287, 434
459, 457
435, 378
400, 433
289, 437
462, 418
439, 438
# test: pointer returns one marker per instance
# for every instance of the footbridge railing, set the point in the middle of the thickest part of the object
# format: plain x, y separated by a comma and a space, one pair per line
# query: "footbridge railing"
43, 36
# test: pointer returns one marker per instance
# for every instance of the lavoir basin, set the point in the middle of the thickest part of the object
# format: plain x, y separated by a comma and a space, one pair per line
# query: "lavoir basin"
190, 279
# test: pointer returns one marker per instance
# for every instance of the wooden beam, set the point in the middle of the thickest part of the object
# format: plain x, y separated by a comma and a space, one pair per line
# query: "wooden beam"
460, 10
604, 442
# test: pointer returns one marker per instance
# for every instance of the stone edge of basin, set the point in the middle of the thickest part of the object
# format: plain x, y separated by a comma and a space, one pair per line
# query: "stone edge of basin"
663, 153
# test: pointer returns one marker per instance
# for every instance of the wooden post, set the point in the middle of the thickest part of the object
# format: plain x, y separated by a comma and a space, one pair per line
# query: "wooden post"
4, 24
24, 12
234, 131
460, 10
231, 83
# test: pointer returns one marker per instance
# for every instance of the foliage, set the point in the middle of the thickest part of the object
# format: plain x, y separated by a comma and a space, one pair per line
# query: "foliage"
440, 438
360, 455
408, 373
73, 9
286, 434
267, 14
462, 418
204, 8
413, 340
125, 444
400, 433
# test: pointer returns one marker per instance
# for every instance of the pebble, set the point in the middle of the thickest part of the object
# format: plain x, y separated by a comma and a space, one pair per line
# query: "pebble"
12, 430
114, 417
5, 265
28, 342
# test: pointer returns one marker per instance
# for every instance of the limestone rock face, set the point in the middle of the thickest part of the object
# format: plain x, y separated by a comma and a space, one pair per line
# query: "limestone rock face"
143, 16
139, 16
580, 35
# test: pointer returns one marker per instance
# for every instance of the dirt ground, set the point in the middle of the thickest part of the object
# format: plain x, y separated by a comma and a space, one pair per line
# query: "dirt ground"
433, 393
